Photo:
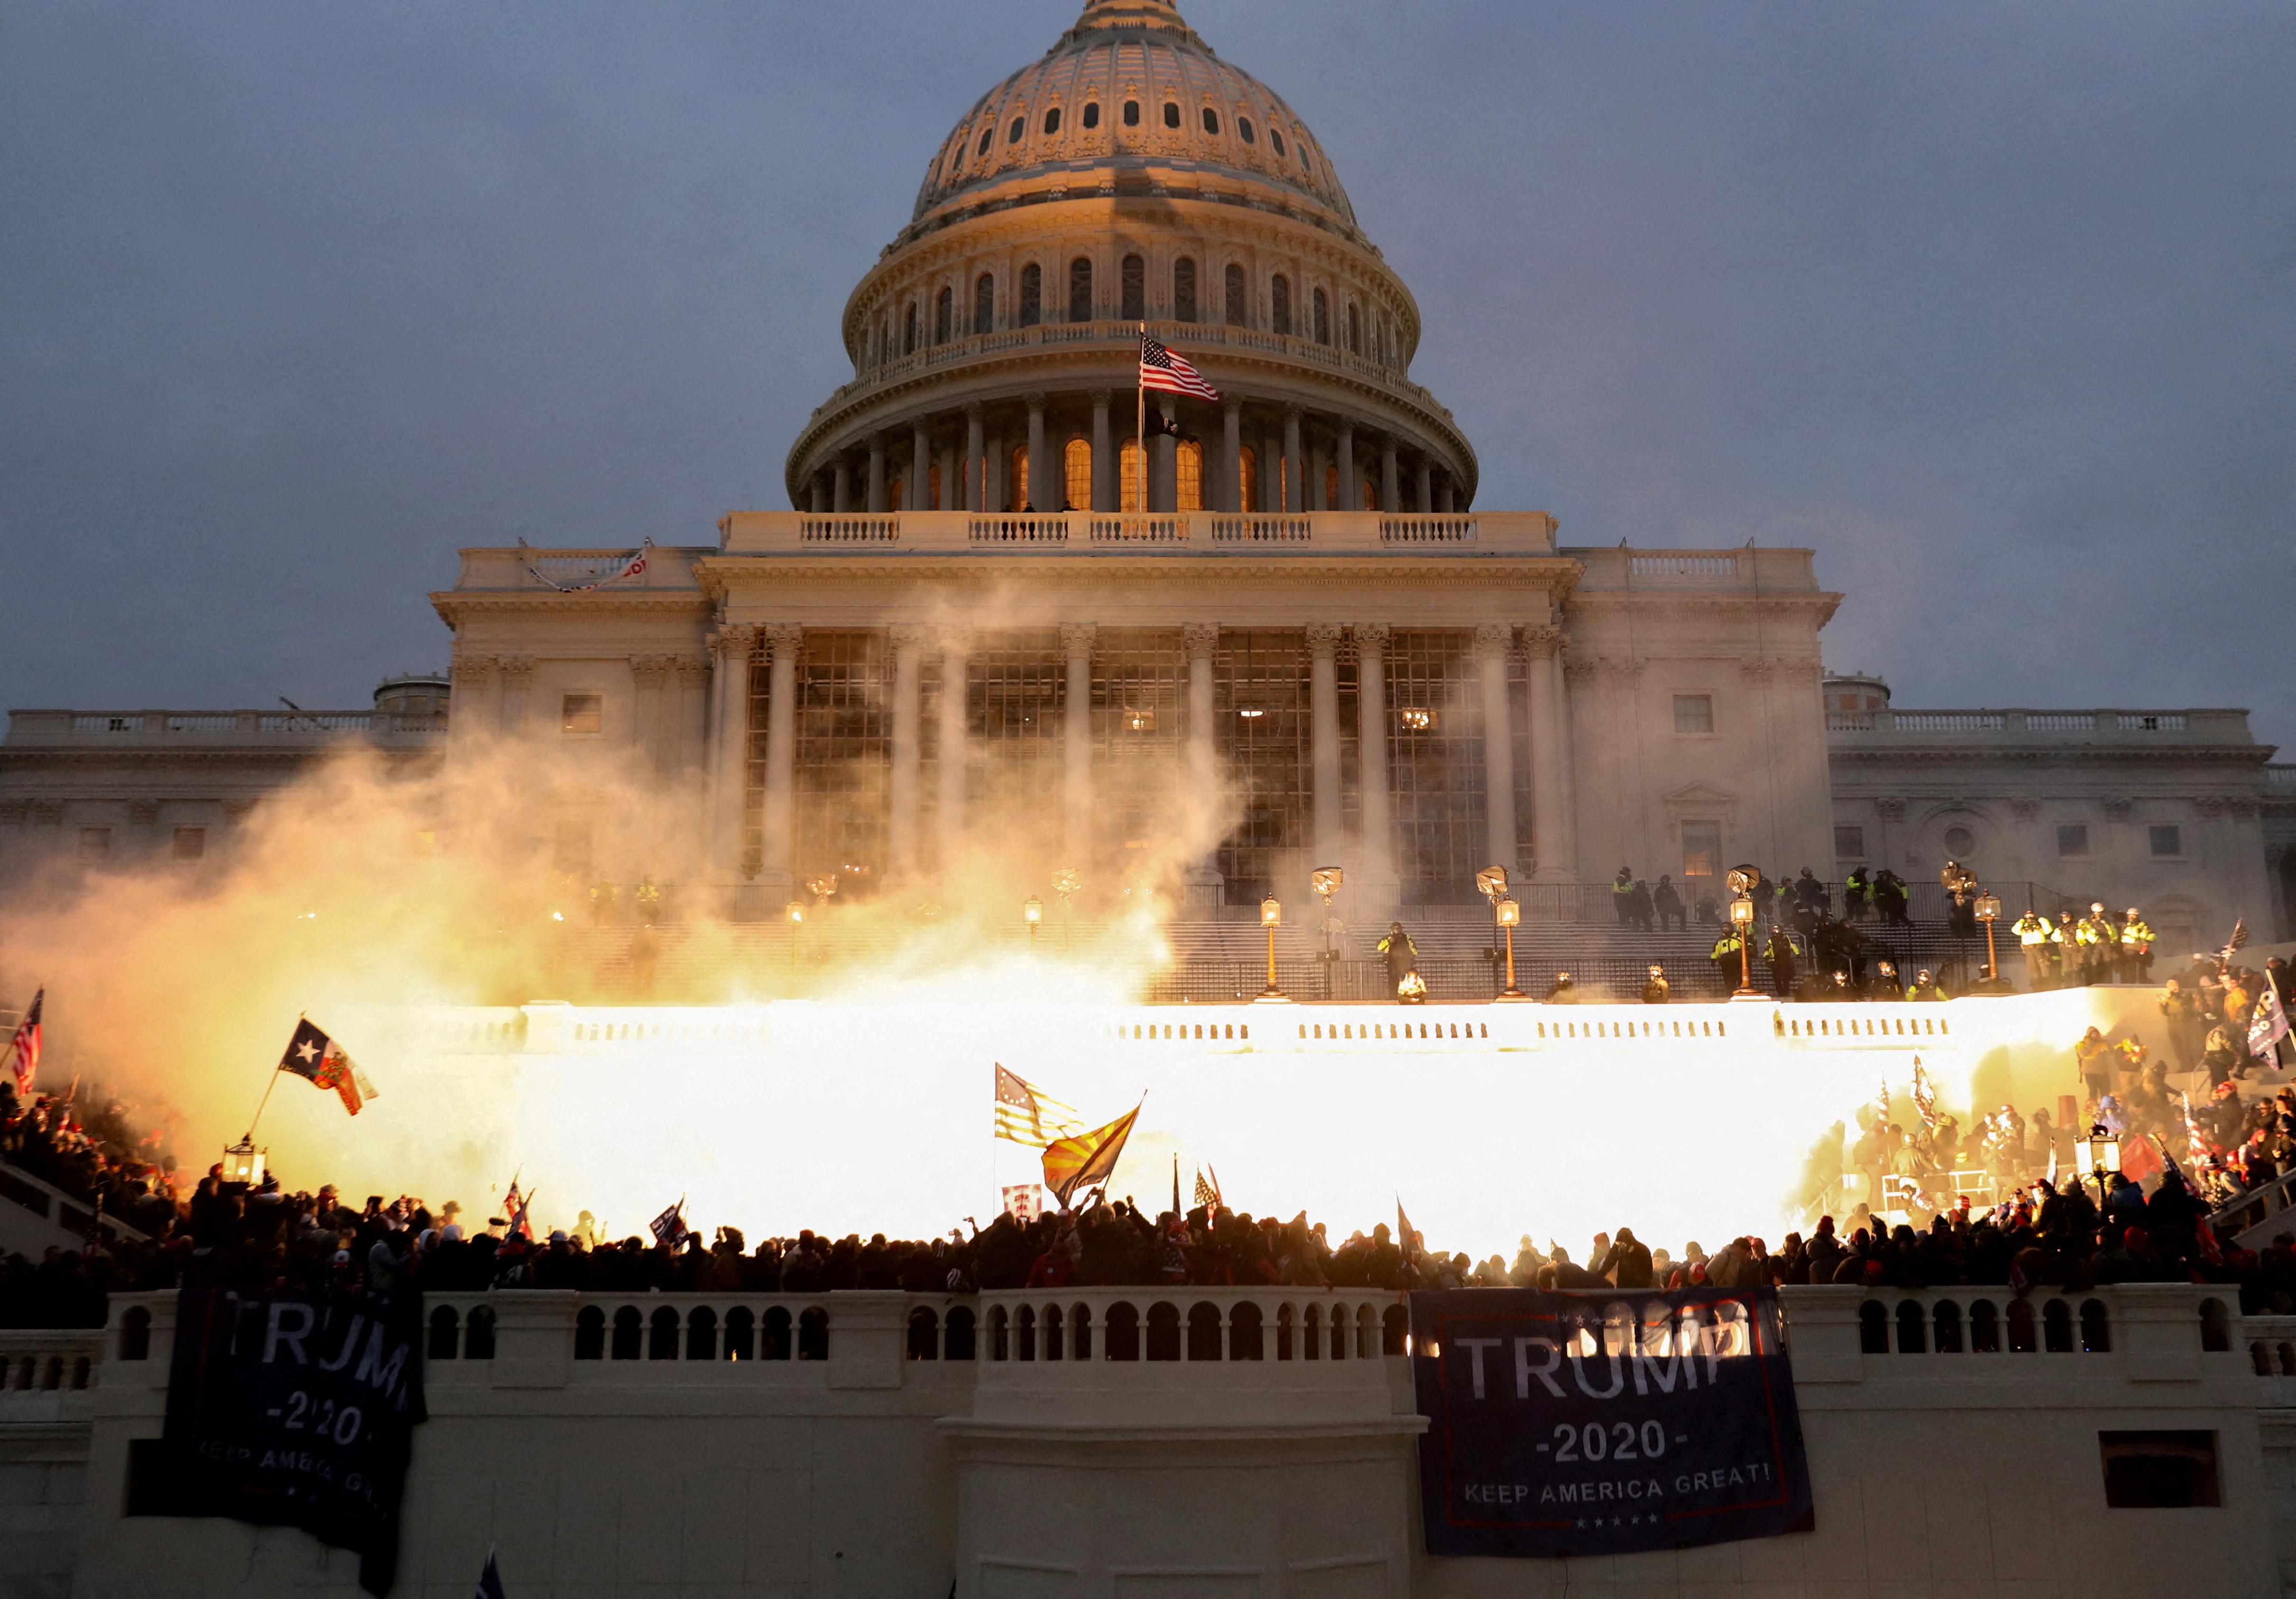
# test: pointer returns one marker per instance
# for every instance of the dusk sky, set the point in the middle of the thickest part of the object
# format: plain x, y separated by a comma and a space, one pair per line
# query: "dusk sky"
1989, 304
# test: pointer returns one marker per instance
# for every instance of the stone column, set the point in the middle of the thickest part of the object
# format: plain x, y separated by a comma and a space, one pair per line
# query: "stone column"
999, 476
650, 728
1319, 483
1550, 771
1491, 643
477, 704
779, 817
1379, 867
1324, 739
517, 679
950, 497
817, 494
1423, 500
1443, 496
1230, 497
691, 724
1040, 477
1389, 493
1104, 492
1346, 463
917, 491
1164, 486
1271, 472
1295, 491
1203, 639
840, 494
876, 474
729, 743
1076, 743
976, 461
955, 741
909, 645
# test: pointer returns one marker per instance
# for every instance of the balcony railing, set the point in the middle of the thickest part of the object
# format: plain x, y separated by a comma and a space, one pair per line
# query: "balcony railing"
765, 532
2229, 724
213, 727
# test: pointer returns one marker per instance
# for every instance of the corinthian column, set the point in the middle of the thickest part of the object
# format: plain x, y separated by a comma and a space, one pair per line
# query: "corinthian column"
1324, 739
1557, 852
1379, 867
1040, 474
730, 742
901, 826
1104, 494
1202, 638
475, 710
780, 834
1076, 741
956, 723
1491, 641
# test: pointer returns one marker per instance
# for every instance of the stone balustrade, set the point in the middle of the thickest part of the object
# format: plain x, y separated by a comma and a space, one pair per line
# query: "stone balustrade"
116, 729
1074, 532
2191, 727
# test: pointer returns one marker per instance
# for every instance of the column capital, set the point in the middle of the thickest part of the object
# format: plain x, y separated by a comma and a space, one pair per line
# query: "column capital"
1545, 642
784, 635
1233, 405
1035, 398
1293, 411
974, 410
1077, 638
736, 640
1345, 426
517, 670
1103, 396
953, 640
693, 670
1755, 669
472, 671
1372, 637
1202, 639
1492, 639
651, 671
1324, 637
908, 637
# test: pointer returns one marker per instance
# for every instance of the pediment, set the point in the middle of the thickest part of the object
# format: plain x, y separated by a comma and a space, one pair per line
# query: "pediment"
1700, 794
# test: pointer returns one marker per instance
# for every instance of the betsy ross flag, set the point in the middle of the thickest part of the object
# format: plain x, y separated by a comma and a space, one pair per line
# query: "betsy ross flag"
1086, 1159
1026, 1114
668, 1228
312, 1054
24, 1047
1159, 368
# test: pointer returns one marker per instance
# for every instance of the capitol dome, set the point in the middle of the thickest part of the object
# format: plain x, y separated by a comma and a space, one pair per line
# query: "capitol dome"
1130, 177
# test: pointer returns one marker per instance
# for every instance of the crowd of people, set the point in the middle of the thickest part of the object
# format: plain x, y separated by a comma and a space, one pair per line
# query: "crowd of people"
1900, 1187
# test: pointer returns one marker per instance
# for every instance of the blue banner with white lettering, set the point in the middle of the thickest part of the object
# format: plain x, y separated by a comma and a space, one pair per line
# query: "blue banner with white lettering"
1604, 1423
298, 1410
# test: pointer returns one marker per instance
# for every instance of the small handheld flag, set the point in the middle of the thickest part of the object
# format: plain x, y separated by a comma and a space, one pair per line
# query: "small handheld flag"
24, 1046
1088, 1158
1159, 368
312, 1054
515, 1207
1207, 1194
490, 1580
1026, 1114
668, 1228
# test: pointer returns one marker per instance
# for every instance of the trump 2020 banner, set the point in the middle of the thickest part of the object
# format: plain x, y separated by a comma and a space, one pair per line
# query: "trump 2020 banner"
298, 1410
1604, 1423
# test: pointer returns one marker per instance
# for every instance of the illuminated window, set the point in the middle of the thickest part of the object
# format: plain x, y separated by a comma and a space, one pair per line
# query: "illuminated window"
582, 713
1076, 463
1191, 463
1247, 478
1128, 464
1416, 718
1694, 713
1701, 850
1331, 489
1019, 477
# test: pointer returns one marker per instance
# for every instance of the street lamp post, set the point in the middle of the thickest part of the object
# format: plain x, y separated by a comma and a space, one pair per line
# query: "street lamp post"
1271, 917
1491, 884
1989, 911
1066, 881
1326, 881
1033, 912
795, 911
1510, 914
2100, 1151
1743, 881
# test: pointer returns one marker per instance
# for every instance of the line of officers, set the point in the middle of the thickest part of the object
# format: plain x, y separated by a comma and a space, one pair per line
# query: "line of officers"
2066, 954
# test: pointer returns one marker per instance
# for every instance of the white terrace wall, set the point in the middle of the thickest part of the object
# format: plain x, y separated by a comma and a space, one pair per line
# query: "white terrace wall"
627, 1455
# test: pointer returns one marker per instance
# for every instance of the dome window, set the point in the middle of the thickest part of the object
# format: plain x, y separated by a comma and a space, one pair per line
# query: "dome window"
986, 134
1243, 127
1235, 295
1172, 113
1080, 289
1183, 289
945, 315
984, 304
1135, 290
909, 330
1211, 121
1053, 121
1323, 318
1132, 113
1091, 114
1012, 134
1032, 295
1274, 138
1279, 299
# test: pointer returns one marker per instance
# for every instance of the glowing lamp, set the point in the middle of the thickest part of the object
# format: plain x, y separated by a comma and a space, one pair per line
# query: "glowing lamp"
1510, 913
1271, 917
1032, 912
1271, 912
1989, 907
1742, 911
242, 1162
1417, 720
2100, 1151
794, 910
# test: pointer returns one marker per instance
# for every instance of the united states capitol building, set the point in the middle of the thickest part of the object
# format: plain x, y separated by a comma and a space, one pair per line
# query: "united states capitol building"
983, 602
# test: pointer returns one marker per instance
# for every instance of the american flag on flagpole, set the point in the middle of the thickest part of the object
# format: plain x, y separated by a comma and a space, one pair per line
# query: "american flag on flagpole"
24, 1046
1159, 368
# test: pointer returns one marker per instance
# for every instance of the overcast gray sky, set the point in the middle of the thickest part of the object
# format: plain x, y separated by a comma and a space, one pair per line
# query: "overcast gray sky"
1988, 303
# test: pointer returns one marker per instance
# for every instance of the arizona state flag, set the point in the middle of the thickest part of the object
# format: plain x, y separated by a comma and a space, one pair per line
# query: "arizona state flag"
314, 1055
1088, 1158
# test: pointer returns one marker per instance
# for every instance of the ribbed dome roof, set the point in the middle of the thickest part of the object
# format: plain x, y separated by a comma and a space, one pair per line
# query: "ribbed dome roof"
1132, 83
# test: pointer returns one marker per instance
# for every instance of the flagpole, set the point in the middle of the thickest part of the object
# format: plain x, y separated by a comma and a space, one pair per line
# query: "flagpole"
265, 1100
1140, 437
